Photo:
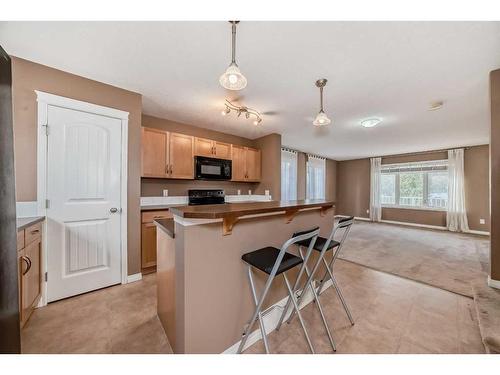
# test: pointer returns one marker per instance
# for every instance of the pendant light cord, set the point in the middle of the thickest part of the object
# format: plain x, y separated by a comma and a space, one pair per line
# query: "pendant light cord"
233, 49
321, 97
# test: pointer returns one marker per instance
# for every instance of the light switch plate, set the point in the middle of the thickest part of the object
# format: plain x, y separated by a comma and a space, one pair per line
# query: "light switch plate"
482, 221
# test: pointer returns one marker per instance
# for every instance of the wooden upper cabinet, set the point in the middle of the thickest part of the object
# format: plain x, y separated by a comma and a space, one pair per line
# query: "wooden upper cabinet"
212, 149
239, 168
180, 150
253, 163
223, 150
154, 153
204, 147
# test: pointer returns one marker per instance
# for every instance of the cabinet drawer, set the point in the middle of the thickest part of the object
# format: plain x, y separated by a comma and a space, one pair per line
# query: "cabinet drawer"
20, 239
33, 233
148, 217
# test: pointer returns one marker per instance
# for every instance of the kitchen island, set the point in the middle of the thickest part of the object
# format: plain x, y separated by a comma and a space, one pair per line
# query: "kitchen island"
204, 298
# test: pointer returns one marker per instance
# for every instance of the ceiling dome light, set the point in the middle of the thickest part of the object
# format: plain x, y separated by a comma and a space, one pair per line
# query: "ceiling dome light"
370, 122
321, 119
433, 106
232, 79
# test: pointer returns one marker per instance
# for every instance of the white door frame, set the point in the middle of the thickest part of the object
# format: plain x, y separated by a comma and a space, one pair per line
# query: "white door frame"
44, 101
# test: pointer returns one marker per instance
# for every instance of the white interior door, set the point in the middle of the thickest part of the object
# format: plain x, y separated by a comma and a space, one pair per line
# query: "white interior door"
83, 189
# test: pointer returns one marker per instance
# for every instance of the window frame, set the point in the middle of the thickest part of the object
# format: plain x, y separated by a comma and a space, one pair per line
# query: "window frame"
425, 189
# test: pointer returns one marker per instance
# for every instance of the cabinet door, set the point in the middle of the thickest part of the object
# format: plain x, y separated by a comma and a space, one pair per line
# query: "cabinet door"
181, 156
239, 169
30, 279
222, 150
204, 147
253, 164
154, 153
148, 245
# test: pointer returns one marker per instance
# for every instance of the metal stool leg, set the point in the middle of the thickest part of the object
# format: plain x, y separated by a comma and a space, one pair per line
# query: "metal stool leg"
261, 321
336, 286
315, 298
292, 297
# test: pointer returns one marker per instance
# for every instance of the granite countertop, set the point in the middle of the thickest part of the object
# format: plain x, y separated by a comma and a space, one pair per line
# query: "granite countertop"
218, 211
25, 222
167, 225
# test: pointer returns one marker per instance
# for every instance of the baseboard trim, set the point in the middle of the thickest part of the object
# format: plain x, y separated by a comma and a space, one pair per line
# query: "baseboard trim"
134, 277
271, 318
480, 232
493, 283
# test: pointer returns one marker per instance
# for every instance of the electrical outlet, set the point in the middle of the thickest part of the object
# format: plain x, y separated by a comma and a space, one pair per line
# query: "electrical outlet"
482, 221
367, 211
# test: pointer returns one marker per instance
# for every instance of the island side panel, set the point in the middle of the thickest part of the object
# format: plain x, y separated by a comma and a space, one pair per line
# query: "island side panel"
165, 280
218, 299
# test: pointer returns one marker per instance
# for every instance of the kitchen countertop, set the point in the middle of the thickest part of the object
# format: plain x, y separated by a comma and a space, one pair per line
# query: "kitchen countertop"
25, 222
228, 210
167, 225
154, 207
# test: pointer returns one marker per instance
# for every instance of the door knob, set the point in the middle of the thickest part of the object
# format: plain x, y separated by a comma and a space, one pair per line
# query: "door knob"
113, 210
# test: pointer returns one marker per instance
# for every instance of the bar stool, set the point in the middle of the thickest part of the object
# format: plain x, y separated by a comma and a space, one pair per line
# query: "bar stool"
274, 262
323, 245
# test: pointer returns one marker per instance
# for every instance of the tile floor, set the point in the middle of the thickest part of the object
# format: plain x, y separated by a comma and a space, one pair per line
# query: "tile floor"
393, 315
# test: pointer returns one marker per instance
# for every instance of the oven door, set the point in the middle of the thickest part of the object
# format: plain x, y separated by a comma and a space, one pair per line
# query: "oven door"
212, 169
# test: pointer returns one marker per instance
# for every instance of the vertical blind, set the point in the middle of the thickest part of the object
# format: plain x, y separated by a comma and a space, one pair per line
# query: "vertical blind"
316, 171
288, 174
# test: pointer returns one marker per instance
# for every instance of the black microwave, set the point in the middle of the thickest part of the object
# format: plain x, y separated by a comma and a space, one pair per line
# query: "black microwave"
212, 168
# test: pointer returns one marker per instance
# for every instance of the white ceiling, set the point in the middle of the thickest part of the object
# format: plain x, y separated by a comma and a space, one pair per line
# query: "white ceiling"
390, 70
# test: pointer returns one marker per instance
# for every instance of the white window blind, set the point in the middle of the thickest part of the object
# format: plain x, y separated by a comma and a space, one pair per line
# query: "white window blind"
288, 175
315, 180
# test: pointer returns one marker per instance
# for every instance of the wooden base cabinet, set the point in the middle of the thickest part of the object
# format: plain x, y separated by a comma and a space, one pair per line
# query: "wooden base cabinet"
30, 272
148, 238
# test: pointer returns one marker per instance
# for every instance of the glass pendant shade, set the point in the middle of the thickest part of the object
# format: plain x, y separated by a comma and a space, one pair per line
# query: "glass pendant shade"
321, 119
232, 79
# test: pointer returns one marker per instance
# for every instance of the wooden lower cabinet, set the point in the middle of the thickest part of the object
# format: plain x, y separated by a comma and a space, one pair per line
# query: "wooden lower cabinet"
30, 272
148, 239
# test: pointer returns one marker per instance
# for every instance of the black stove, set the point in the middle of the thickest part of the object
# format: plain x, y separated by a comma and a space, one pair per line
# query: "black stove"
205, 196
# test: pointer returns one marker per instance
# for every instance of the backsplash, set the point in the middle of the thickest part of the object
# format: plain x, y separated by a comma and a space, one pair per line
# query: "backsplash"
174, 200
153, 187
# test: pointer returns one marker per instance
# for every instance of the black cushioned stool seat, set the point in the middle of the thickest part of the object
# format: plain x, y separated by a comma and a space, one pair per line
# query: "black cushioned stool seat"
320, 242
265, 258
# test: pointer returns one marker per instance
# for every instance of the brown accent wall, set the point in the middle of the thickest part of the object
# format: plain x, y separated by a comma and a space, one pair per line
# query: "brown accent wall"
331, 179
301, 175
27, 77
353, 189
270, 146
495, 174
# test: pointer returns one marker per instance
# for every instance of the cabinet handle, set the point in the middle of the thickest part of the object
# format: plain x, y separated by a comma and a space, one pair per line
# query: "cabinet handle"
171, 168
35, 231
28, 264
166, 169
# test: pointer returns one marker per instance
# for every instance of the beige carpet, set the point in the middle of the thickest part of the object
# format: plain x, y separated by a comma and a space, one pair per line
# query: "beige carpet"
450, 261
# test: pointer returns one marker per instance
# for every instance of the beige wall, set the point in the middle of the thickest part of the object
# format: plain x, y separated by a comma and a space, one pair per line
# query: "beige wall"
495, 174
353, 189
27, 77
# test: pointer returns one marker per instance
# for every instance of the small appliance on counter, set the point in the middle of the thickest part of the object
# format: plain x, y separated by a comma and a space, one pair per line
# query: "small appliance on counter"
205, 196
212, 168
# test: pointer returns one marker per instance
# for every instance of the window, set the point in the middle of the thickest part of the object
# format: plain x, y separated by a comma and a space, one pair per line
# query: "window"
288, 175
315, 179
415, 185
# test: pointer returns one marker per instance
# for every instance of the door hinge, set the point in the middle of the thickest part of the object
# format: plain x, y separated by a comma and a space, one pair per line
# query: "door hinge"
46, 276
46, 129
47, 203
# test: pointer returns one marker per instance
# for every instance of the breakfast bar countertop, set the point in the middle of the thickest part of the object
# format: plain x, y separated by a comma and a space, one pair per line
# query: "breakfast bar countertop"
221, 211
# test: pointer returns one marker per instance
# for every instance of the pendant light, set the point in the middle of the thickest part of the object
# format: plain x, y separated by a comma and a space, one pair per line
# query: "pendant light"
232, 79
321, 119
